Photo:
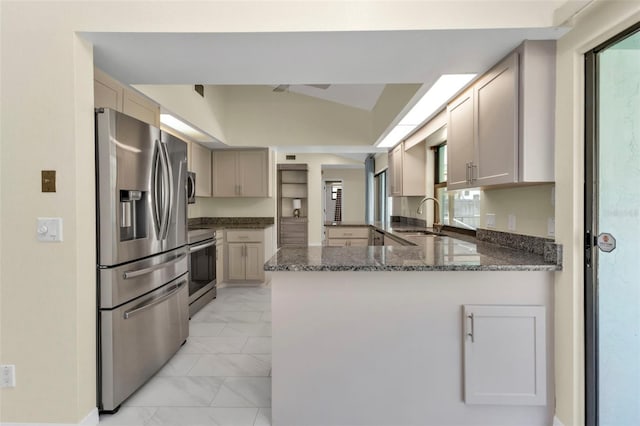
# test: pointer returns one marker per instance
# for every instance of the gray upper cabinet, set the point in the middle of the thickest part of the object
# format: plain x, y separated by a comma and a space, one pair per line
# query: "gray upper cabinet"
407, 169
501, 130
200, 164
496, 105
395, 171
460, 140
241, 173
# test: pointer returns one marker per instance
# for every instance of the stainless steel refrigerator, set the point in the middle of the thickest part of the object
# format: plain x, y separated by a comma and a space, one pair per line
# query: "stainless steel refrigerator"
143, 315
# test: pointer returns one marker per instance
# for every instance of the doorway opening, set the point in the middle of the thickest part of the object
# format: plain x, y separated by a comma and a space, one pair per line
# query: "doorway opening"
333, 206
612, 231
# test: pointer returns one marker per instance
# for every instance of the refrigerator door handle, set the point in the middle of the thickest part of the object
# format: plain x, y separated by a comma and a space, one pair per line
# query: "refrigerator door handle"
168, 199
164, 191
148, 304
132, 274
157, 190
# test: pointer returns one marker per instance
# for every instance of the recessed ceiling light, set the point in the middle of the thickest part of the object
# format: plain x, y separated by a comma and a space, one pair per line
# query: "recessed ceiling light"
441, 91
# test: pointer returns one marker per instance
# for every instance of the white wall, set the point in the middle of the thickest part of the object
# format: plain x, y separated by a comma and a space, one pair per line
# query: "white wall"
353, 191
206, 113
532, 207
47, 307
600, 22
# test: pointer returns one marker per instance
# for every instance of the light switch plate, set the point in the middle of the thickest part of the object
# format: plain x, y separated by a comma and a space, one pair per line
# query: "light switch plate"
551, 227
49, 229
491, 220
511, 224
7, 376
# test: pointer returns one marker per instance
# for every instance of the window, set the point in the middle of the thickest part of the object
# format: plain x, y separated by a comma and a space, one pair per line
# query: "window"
457, 208
381, 201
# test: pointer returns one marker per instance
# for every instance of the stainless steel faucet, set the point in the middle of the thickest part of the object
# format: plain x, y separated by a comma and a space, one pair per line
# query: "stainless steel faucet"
436, 222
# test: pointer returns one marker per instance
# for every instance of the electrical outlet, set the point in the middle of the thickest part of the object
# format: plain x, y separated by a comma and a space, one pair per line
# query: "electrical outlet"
7, 376
511, 225
491, 220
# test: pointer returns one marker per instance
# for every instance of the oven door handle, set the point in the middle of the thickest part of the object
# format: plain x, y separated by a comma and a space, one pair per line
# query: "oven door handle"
202, 246
144, 306
150, 269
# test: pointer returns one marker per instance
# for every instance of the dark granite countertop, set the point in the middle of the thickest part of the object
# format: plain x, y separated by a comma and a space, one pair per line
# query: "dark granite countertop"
427, 253
220, 223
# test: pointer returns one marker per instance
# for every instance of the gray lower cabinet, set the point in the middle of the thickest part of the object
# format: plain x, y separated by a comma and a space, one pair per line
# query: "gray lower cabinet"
245, 254
504, 355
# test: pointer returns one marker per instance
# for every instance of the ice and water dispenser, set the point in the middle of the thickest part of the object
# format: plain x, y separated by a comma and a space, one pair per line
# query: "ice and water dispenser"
133, 214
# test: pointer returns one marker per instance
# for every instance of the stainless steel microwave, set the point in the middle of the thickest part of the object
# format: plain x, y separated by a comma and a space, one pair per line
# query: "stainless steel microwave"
191, 187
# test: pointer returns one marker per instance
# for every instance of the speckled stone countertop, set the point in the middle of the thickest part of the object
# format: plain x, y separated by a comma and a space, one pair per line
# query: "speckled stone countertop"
219, 223
429, 253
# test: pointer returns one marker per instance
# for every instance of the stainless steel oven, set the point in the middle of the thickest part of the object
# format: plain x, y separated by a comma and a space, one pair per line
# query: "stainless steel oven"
202, 268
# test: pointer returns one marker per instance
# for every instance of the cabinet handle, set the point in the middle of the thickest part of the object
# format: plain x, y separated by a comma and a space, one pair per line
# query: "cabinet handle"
474, 172
471, 334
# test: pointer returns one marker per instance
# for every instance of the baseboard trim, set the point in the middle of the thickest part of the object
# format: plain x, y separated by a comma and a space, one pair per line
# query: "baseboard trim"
557, 422
91, 419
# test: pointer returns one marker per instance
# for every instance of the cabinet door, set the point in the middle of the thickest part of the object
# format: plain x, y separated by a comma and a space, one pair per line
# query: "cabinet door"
252, 173
496, 97
220, 255
504, 355
358, 242
395, 166
460, 140
139, 107
201, 165
337, 242
236, 261
224, 174
107, 92
254, 258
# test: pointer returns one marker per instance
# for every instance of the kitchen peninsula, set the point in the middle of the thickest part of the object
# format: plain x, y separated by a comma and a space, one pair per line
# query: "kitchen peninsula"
447, 332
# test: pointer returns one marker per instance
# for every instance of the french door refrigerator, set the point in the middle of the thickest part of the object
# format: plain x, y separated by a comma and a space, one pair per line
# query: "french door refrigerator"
142, 255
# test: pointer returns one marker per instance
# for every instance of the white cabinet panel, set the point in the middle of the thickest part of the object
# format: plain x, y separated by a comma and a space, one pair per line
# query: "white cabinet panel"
201, 165
504, 355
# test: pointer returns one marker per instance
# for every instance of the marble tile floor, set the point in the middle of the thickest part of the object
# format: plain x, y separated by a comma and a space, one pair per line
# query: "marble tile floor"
221, 376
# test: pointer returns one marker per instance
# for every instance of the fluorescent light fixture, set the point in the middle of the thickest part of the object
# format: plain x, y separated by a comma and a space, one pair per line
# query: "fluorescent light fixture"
441, 91
395, 135
182, 127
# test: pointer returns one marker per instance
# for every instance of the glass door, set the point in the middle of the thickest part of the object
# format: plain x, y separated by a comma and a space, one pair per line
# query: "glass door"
612, 234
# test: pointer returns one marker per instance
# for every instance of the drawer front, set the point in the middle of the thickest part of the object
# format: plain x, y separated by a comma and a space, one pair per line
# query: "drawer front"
139, 337
358, 242
341, 232
348, 242
244, 235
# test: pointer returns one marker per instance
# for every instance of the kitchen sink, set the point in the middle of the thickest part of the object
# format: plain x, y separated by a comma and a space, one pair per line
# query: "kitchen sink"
414, 233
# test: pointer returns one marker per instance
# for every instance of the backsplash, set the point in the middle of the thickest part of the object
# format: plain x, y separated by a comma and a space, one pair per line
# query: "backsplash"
546, 247
413, 221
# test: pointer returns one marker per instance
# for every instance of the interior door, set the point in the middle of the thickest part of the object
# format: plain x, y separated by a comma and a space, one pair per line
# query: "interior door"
612, 234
